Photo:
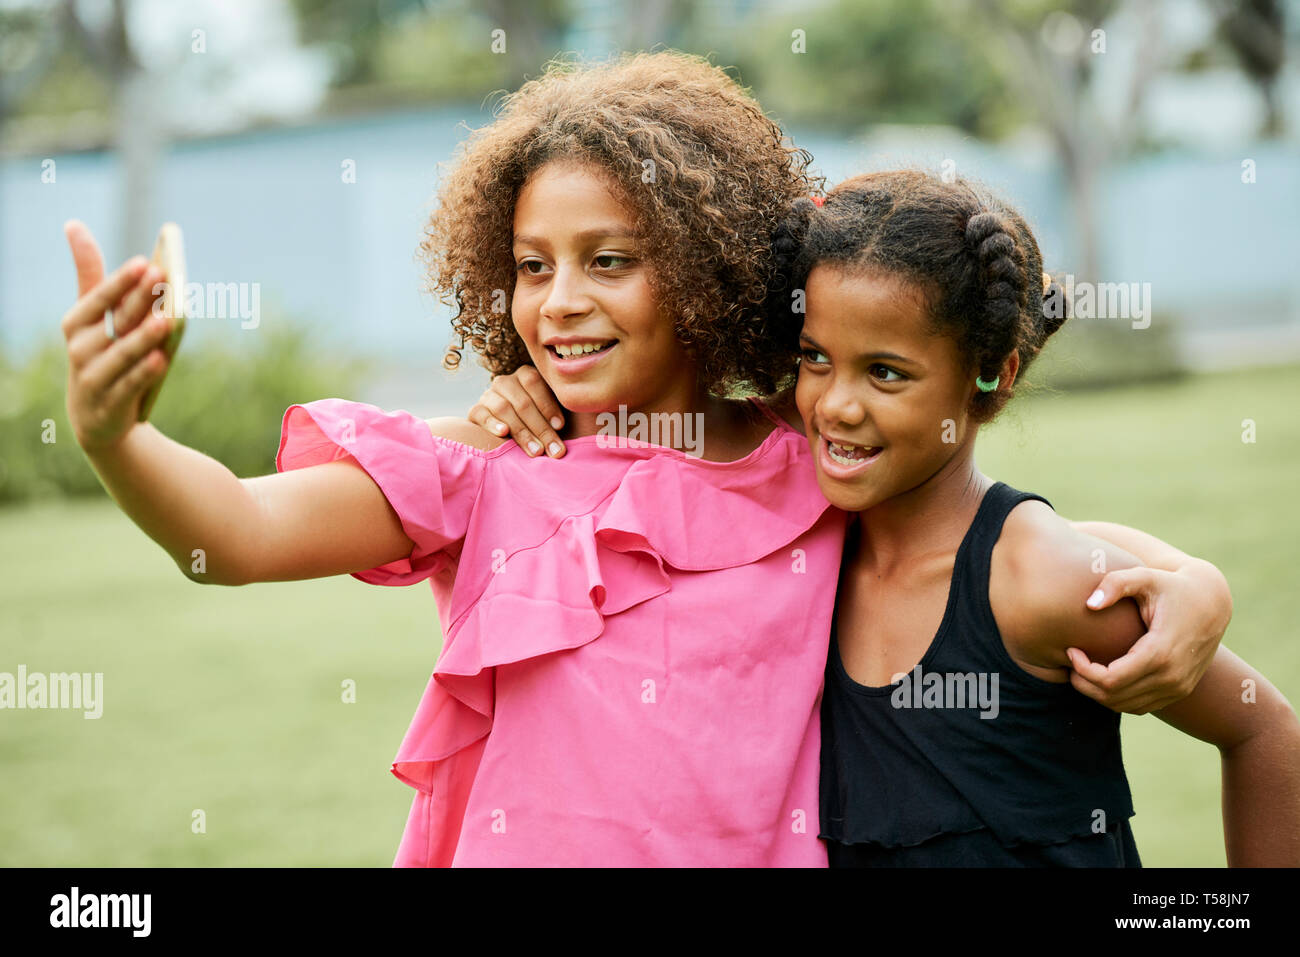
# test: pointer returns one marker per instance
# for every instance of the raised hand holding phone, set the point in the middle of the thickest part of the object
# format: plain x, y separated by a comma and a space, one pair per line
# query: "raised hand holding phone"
109, 367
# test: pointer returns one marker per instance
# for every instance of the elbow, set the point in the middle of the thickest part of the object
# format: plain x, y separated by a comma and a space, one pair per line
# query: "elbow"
1275, 730
1278, 740
199, 570
1285, 727
198, 578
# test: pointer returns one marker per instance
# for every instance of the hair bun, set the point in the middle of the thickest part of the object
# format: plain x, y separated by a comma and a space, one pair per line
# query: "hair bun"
1053, 314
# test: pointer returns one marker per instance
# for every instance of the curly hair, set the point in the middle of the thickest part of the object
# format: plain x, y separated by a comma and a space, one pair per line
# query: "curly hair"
705, 175
971, 254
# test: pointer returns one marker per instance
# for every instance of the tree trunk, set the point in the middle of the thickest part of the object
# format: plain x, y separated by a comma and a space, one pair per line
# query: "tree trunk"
139, 143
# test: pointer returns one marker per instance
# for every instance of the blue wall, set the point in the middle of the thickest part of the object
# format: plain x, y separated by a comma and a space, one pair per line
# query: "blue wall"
270, 207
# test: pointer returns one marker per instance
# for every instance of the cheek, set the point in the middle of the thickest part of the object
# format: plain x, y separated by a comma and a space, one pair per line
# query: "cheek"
934, 423
523, 317
648, 320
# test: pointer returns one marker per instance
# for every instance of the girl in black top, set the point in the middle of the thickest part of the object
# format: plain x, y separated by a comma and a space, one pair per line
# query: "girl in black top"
944, 770
951, 734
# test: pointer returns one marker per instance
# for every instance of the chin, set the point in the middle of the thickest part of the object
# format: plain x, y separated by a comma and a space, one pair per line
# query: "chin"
847, 497
586, 398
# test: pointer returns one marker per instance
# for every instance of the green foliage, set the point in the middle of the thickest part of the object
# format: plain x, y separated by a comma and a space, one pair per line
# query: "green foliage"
465, 68
895, 61
439, 50
69, 87
225, 401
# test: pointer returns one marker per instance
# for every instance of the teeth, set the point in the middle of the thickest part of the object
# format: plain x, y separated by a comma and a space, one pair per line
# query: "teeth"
581, 348
849, 454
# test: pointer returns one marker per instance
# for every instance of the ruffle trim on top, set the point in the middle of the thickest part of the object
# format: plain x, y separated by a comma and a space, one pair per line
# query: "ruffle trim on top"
762, 509
1033, 838
557, 595
585, 574
594, 566
1012, 817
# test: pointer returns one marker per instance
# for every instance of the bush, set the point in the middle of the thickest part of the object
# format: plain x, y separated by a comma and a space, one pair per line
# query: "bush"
226, 401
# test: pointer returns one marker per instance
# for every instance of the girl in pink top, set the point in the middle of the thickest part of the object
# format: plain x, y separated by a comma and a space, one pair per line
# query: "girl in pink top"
635, 632
627, 675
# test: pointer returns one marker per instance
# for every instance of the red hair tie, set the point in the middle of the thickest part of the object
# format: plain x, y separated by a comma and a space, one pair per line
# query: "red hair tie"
818, 200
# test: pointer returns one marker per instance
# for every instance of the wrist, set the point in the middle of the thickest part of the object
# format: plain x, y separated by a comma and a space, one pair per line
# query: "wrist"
107, 452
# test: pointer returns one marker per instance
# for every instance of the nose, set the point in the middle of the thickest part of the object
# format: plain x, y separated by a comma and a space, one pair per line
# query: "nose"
841, 404
566, 296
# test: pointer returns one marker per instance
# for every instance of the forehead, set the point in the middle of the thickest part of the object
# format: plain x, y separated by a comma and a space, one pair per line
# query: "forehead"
852, 301
570, 189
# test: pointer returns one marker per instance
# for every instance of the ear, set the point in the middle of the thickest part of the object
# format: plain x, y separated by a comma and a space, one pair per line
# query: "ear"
1009, 369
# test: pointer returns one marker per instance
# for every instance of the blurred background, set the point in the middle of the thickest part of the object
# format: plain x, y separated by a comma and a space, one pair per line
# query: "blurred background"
299, 145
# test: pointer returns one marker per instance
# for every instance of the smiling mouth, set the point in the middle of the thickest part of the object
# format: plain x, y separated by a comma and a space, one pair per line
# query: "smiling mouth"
578, 350
850, 454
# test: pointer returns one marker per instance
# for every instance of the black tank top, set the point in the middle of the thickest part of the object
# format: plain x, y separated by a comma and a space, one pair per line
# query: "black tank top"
912, 774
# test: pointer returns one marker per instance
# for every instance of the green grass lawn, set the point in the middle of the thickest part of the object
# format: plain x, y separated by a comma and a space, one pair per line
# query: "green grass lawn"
229, 700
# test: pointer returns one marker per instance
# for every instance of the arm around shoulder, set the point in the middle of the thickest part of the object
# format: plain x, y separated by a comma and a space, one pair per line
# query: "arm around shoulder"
1042, 573
1208, 582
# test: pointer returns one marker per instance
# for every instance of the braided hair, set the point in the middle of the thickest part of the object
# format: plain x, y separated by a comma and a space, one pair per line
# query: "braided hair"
973, 257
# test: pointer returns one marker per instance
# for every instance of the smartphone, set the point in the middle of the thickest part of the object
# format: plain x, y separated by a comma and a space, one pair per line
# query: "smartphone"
169, 254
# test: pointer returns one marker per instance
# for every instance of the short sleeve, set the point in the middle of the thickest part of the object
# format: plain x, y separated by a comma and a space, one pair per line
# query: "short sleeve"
431, 483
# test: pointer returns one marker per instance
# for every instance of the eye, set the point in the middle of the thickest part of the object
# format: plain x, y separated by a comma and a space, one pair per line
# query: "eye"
619, 261
886, 374
523, 267
814, 357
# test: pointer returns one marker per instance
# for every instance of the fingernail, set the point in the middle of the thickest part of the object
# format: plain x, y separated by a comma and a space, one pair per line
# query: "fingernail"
1095, 598
554, 448
499, 428
556, 422
533, 448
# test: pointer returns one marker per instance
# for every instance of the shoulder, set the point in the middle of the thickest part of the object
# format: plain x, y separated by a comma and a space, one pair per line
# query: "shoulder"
464, 432
1041, 574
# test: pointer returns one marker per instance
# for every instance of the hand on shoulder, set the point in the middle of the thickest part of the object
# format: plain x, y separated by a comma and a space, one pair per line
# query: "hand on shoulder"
464, 432
1042, 572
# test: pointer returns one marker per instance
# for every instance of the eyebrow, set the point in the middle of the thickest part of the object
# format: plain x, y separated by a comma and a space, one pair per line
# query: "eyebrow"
597, 232
870, 355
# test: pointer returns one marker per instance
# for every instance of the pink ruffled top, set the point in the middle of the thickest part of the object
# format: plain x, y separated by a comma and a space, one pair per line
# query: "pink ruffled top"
634, 644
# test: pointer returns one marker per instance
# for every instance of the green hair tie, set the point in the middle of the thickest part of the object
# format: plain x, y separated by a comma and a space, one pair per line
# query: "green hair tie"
987, 386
